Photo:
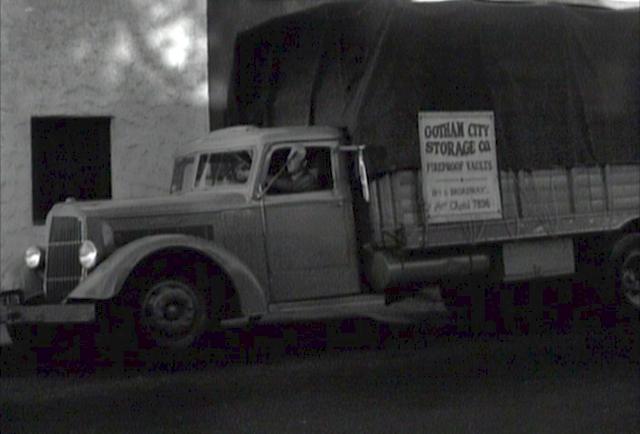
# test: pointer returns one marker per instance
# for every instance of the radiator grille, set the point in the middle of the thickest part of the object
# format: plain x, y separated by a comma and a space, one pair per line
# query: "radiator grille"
62, 269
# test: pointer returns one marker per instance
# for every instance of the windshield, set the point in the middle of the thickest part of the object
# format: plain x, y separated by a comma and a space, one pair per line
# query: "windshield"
212, 170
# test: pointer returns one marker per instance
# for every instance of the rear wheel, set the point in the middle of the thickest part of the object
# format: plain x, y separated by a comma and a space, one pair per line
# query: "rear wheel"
626, 268
621, 297
629, 279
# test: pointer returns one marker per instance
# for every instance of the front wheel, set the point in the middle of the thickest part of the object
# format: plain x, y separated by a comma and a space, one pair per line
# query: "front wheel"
172, 314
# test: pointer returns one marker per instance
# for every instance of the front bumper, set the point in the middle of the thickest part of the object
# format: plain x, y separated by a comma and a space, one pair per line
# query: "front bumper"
11, 314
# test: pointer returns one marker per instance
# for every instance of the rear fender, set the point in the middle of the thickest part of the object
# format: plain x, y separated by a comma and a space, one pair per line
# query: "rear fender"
107, 280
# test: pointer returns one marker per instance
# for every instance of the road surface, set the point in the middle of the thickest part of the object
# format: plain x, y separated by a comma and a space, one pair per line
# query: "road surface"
569, 380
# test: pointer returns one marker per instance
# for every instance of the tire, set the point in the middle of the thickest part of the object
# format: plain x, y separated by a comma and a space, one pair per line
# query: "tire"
627, 280
621, 296
171, 314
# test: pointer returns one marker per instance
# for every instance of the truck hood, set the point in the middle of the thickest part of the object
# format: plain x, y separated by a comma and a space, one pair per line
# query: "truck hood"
110, 224
144, 207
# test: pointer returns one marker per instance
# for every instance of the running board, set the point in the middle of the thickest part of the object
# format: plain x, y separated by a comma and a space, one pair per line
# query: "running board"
330, 308
409, 310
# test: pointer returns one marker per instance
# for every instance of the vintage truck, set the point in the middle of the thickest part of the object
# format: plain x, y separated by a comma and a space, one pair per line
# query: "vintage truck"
224, 248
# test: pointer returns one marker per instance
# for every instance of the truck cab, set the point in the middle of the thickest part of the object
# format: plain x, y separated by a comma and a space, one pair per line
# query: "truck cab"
303, 245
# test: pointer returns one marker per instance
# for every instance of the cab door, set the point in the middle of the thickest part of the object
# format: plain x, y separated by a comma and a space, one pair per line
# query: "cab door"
310, 237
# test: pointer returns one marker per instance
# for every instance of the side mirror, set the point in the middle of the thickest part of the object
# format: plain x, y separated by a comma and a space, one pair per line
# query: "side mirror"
362, 173
260, 192
362, 169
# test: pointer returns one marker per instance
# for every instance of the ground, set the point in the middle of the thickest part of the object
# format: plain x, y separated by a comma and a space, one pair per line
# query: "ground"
357, 376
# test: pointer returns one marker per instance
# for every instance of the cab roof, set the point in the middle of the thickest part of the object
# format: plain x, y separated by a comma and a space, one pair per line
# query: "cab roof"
243, 135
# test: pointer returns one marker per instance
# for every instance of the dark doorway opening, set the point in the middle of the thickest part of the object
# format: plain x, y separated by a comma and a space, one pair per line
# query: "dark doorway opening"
70, 157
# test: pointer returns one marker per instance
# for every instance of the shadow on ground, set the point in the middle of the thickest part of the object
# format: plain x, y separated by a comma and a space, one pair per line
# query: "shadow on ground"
342, 376
570, 327
576, 342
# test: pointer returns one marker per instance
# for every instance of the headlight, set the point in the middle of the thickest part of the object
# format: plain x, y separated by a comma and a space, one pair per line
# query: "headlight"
33, 257
88, 254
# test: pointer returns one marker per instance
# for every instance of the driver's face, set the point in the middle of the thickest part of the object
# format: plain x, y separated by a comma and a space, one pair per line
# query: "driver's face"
242, 172
295, 164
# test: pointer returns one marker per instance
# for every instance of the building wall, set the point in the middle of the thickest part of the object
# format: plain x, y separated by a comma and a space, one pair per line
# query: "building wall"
141, 62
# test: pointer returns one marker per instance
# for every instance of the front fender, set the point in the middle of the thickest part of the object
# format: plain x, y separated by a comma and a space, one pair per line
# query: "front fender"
107, 280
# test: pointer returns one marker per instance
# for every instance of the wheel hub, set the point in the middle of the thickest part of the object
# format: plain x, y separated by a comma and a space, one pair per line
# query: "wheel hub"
169, 309
172, 312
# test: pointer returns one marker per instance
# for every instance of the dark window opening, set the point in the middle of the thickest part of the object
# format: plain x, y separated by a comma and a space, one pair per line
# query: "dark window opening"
70, 157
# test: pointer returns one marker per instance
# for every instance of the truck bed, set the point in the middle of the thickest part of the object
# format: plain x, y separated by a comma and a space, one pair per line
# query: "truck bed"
538, 203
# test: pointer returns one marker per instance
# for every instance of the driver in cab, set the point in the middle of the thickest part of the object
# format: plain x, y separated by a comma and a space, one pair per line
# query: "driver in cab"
297, 176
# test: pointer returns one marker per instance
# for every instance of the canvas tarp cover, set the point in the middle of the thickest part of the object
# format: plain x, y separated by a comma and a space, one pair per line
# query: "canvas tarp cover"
563, 81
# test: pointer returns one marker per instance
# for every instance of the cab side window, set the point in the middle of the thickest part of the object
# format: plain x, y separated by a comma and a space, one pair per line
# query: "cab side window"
298, 169
223, 169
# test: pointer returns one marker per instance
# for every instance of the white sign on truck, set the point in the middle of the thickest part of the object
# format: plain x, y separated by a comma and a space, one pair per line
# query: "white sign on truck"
459, 166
